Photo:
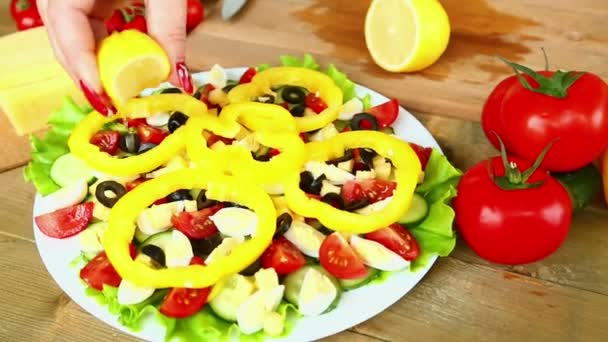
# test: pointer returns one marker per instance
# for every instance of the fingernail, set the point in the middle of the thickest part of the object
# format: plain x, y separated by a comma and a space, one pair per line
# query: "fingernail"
101, 102
185, 79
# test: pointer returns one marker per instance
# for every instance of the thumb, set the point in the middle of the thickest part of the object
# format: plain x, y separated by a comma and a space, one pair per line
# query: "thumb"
166, 22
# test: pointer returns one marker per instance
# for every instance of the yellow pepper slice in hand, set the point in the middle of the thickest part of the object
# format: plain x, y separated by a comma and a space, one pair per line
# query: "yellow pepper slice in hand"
407, 169
313, 81
121, 228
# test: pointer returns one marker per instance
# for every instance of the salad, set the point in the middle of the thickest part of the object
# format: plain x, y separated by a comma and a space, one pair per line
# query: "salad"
238, 209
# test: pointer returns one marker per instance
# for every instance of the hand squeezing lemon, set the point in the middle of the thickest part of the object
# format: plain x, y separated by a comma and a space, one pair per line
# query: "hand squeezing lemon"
406, 35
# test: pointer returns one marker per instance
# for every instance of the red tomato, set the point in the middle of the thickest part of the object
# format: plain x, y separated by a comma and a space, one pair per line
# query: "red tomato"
65, 222
373, 190
385, 113
25, 14
196, 225
423, 153
138, 23
203, 95
183, 302
339, 258
195, 14
511, 226
149, 134
534, 120
115, 22
247, 75
107, 141
283, 256
215, 138
315, 103
99, 271
133, 122
398, 239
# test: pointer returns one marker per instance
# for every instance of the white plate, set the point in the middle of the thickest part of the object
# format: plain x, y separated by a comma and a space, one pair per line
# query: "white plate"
355, 306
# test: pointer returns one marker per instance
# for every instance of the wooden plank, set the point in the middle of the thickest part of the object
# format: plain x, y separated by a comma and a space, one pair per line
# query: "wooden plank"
462, 302
463, 77
32, 299
17, 203
15, 150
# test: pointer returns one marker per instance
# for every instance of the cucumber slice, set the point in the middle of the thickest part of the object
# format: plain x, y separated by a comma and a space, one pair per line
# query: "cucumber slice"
293, 285
175, 245
68, 169
351, 284
417, 211
235, 291
141, 237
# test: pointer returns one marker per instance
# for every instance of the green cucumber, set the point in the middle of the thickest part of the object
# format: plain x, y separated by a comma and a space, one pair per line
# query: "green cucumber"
583, 185
161, 240
341, 124
235, 290
417, 212
68, 169
175, 245
293, 285
351, 284
142, 237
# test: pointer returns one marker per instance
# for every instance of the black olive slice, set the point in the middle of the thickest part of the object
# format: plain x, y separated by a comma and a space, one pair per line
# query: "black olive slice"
155, 253
293, 95
171, 91
359, 120
203, 247
298, 110
129, 142
309, 184
367, 156
180, 195
356, 205
143, 148
348, 155
266, 98
202, 202
252, 269
283, 223
316, 185
113, 187
333, 199
176, 120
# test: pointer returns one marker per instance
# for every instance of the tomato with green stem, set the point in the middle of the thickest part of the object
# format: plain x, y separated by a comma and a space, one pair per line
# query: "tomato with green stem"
511, 212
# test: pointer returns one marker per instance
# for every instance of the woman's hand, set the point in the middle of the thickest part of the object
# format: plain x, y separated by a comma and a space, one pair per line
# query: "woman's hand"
76, 26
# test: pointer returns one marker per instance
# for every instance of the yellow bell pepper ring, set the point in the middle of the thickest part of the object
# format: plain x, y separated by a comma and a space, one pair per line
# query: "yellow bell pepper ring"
80, 146
258, 116
121, 229
196, 144
313, 81
407, 169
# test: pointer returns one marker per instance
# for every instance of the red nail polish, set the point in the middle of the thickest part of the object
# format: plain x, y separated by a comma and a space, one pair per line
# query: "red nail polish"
101, 102
185, 79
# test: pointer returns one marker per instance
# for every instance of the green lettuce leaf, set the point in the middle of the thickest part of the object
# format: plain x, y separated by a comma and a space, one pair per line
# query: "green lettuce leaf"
342, 81
435, 234
367, 101
203, 326
53, 145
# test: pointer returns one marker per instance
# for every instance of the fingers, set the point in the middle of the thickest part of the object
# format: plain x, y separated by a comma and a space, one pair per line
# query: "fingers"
167, 24
74, 43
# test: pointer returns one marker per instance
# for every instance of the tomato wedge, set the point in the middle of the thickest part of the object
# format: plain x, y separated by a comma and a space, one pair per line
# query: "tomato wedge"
339, 258
248, 75
65, 222
385, 113
423, 153
373, 190
315, 103
99, 271
183, 302
148, 134
107, 141
398, 239
196, 225
283, 256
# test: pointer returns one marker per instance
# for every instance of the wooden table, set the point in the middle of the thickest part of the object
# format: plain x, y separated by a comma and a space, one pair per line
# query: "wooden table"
562, 298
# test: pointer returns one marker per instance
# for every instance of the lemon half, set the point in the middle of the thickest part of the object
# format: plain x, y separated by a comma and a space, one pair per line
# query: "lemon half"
406, 35
130, 61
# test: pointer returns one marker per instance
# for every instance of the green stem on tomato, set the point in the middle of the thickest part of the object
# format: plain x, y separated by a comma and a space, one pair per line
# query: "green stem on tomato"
556, 86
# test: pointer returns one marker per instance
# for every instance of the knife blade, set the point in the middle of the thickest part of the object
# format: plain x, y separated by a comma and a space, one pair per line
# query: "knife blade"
231, 7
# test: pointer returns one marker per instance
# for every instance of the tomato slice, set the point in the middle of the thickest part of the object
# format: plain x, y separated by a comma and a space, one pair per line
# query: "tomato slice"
373, 190
148, 134
339, 258
248, 75
398, 239
196, 225
183, 302
133, 122
423, 153
315, 103
213, 138
99, 271
385, 113
283, 256
66, 222
203, 95
107, 141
